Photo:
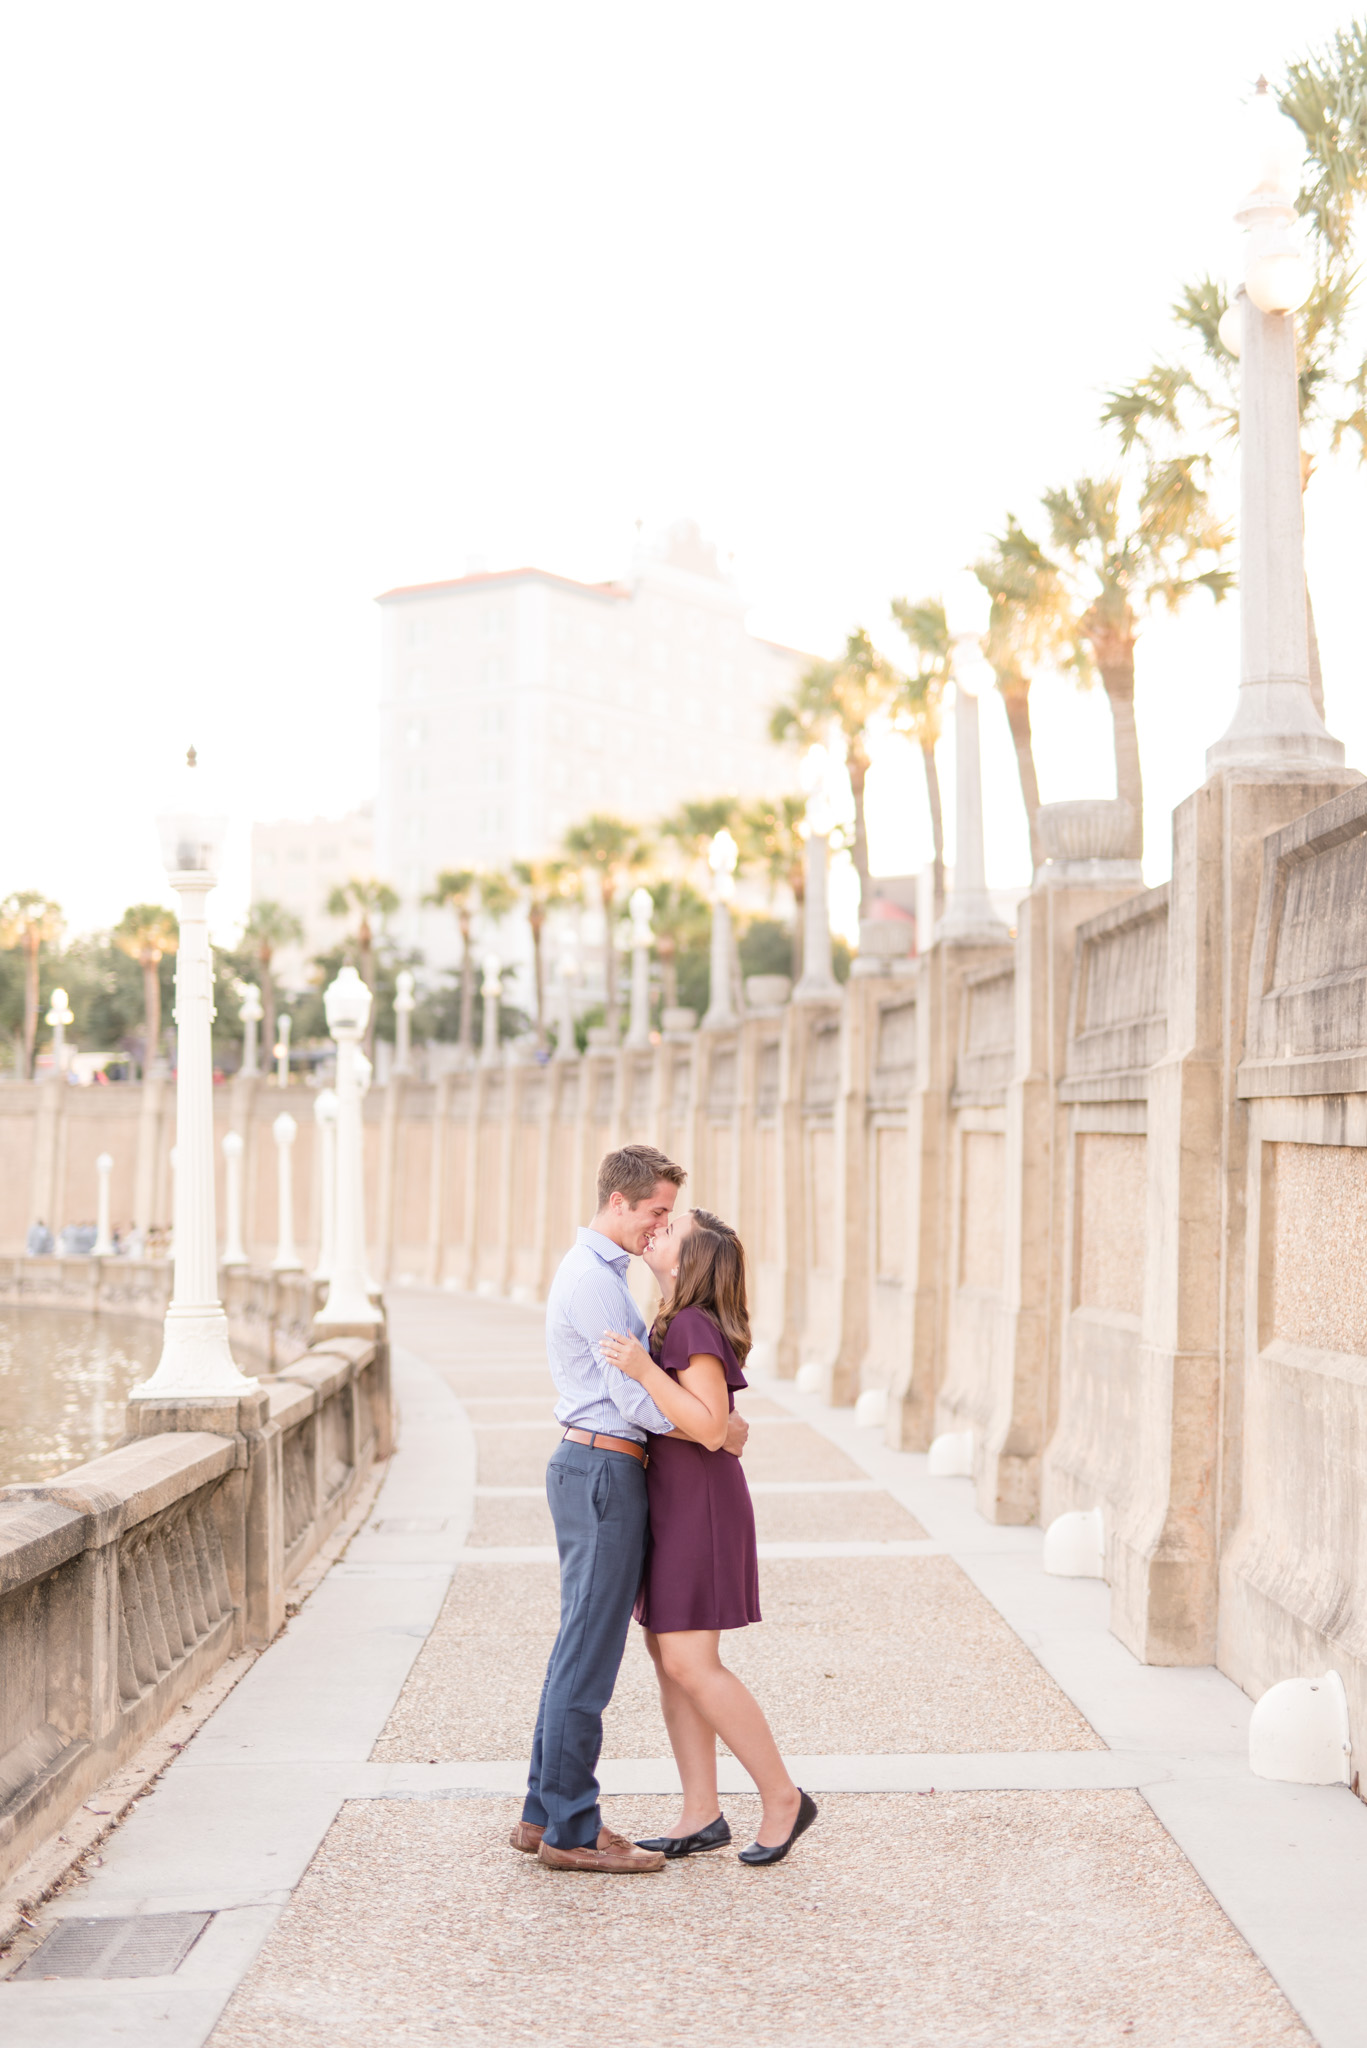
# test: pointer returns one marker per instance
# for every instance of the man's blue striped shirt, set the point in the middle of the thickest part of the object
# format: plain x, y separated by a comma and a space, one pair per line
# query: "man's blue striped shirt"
589, 1296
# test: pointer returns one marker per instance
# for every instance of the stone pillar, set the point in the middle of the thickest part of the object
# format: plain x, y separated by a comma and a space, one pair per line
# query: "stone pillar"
325, 1123
818, 983
390, 1112
436, 1182
286, 1259
234, 1253
104, 1242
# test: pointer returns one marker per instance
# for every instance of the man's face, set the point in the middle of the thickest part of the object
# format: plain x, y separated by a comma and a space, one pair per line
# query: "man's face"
639, 1220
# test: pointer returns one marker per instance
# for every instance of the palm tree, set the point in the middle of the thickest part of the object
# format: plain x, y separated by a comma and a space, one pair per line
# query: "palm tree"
31, 921
1119, 568
269, 926
614, 851
457, 889
681, 921
772, 837
1028, 626
544, 883
696, 824
369, 899
842, 697
917, 710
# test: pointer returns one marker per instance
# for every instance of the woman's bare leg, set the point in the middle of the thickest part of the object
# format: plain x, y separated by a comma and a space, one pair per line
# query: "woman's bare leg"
690, 1658
693, 1740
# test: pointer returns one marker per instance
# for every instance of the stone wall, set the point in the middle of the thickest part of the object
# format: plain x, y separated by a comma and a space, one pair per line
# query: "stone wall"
1097, 1196
125, 1583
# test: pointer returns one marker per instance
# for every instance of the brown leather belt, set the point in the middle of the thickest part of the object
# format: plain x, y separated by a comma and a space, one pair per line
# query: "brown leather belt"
606, 1443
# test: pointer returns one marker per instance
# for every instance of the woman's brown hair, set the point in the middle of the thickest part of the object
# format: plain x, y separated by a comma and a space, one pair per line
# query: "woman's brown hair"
711, 1277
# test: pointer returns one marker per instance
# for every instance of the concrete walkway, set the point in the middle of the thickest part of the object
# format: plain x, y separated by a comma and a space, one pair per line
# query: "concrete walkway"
1026, 1839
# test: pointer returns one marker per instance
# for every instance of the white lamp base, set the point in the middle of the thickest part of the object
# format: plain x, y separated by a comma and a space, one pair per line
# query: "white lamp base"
196, 1359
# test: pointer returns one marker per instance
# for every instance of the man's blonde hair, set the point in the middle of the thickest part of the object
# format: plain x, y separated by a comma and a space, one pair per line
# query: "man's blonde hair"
635, 1171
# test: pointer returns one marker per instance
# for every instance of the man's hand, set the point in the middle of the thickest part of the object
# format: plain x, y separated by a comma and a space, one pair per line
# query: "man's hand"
737, 1429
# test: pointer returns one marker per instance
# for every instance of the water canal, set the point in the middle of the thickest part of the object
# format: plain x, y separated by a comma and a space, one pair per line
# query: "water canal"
64, 1377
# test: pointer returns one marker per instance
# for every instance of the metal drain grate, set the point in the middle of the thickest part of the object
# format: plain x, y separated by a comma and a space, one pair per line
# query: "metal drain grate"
148, 1945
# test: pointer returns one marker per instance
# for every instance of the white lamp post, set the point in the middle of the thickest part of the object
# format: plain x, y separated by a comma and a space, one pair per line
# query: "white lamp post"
1275, 723
640, 906
347, 1003
721, 858
493, 989
251, 1020
103, 1246
818, 983
969, 918
566, 1044
196, 1358
286, 1258
325, 1117
59, 1016
284, 1026
404, 1006
234, 1253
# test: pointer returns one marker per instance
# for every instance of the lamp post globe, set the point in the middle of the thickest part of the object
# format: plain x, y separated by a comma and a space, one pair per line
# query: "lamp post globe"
196, 1360
1278, 274
251, 1014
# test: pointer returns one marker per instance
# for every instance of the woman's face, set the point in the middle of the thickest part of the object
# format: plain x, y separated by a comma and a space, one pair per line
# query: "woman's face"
662, 1251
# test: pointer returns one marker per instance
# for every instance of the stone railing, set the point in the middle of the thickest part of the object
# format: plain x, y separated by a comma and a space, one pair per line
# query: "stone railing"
125, 1584
270, 1315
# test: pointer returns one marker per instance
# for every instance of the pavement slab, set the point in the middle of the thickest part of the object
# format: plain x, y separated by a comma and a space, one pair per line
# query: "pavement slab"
1035, 1919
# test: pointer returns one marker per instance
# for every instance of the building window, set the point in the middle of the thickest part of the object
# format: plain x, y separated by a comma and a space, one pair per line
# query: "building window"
493, 624
417, 781
329, 853
659, 654
493, 670
417, 632
492, 718
297, 856
560, 626
416, 829
494, 770
491, 819
415, 734
417, 682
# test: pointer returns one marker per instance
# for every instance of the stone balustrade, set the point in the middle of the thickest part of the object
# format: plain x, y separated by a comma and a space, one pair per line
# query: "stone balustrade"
126, 1583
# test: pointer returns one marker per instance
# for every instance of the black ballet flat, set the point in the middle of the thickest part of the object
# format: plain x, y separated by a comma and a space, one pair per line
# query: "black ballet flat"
715, 1835
757, 1853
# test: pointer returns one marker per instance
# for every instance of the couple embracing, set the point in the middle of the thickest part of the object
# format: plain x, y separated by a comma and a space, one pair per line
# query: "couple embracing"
652, 1516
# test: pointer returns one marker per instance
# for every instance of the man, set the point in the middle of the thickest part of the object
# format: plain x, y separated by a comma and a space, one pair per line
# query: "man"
596, 1485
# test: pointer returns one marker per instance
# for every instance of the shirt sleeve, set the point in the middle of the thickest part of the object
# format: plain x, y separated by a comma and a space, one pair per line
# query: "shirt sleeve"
597, 1305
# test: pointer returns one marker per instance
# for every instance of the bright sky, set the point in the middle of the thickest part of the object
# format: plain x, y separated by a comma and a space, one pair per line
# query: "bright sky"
310, 300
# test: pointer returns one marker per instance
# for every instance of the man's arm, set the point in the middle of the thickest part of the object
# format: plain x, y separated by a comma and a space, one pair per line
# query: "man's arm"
596, 1305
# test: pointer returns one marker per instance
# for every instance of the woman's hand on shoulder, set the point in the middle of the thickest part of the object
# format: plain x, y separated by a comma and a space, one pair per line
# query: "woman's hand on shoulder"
626, 1353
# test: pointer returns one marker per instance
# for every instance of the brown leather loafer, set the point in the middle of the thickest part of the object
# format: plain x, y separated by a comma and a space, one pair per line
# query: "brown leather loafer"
527, 1837
614, 1855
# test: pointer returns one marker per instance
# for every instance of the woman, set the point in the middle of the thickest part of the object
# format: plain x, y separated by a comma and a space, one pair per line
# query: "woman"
702, 1572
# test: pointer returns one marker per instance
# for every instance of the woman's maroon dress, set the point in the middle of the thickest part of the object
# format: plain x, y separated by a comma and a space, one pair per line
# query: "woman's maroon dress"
702, 1567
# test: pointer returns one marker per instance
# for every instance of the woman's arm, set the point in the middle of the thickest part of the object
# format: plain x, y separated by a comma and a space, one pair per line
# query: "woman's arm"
697, 1403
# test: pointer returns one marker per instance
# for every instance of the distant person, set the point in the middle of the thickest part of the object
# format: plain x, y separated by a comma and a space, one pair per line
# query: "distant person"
702, 1568
38, 1243
596, 1487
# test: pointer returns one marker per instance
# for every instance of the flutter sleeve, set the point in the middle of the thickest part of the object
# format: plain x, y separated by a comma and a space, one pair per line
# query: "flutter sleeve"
693, 1331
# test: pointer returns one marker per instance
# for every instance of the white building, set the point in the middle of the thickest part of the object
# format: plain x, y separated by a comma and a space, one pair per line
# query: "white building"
297, 864
516, 703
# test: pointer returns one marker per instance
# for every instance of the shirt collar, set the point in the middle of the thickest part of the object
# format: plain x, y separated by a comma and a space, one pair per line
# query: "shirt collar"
611, 1254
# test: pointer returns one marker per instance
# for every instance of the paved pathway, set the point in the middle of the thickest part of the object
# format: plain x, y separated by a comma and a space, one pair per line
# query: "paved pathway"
1026, 1839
